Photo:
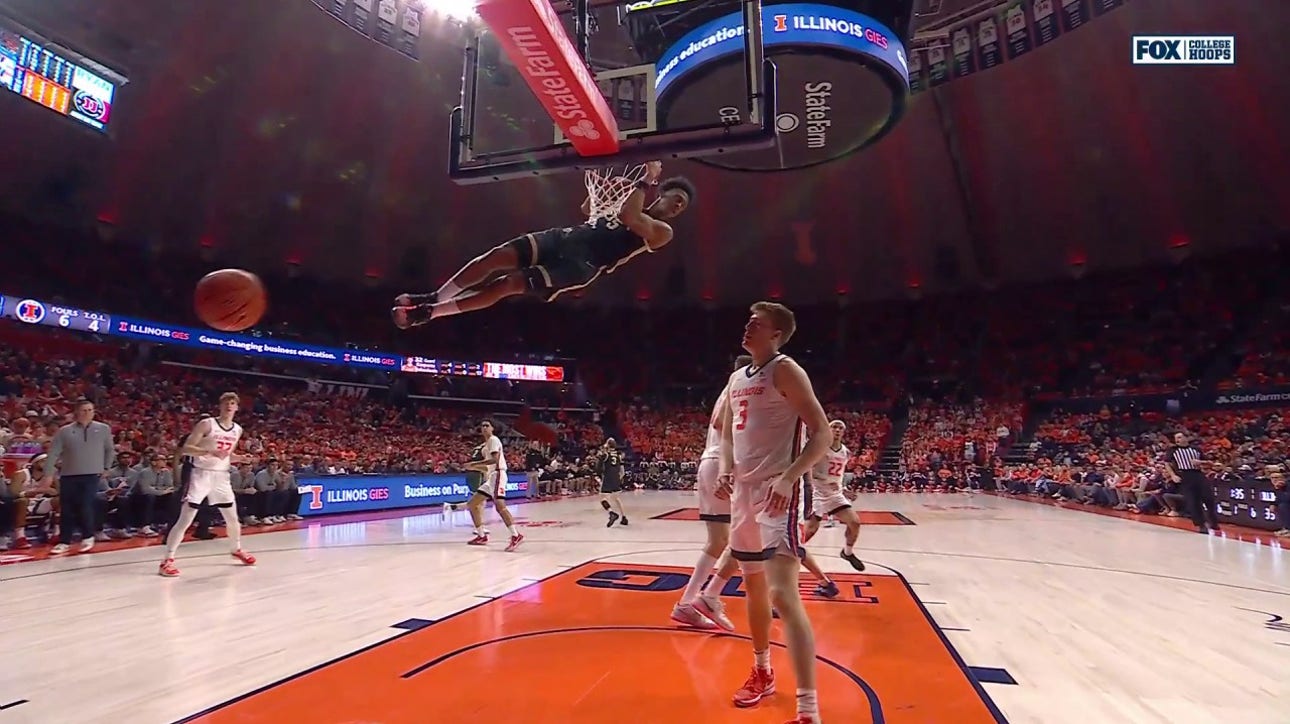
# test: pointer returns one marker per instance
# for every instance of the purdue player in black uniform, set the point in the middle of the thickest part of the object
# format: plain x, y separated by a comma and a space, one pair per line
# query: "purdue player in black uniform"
610, 466
551, 262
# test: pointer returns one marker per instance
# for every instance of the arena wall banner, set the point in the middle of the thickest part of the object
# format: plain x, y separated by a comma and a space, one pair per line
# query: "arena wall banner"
393, 23
1018, 30
917, 81
1074, 14
964, 55
977, 45
1178, 401
990, 52
327, 494
1267, 397
1047, 27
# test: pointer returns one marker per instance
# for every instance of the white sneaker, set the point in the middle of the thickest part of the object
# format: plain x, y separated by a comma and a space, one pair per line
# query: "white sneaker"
147, 532
687, 614
293, 516
714, 610
87, 545
59, 549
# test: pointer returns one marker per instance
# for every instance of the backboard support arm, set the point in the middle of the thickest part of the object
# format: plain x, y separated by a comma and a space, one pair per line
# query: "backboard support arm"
754, 131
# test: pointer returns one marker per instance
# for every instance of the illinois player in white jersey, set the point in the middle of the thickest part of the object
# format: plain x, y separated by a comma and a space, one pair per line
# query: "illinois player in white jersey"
492, 463
700, 606
212, 445
762, 463
827, 498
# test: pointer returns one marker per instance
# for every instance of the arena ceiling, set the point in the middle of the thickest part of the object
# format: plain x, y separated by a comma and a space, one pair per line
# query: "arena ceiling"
269, 134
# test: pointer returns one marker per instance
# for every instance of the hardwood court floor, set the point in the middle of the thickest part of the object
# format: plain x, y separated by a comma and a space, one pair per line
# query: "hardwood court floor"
1088, 614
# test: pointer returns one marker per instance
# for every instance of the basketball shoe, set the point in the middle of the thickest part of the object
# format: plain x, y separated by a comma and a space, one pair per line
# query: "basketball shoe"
687, 614
760, 684
714, 610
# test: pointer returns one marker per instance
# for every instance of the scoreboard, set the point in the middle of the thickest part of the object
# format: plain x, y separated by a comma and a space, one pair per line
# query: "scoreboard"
32, 311
56, 78
1248, 503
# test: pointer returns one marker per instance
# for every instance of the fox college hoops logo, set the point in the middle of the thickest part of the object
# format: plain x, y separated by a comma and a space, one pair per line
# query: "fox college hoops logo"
1184, 50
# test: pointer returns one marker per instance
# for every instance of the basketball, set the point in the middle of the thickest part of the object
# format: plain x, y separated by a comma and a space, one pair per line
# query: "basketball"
230, 300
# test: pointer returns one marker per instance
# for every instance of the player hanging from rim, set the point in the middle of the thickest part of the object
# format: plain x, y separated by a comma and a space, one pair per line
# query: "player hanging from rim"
211, 445
827, 497
551, 262
610, 464
489, 459
762, 467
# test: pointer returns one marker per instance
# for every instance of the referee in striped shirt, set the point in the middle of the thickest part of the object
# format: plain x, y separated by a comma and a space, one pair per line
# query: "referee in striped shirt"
1199, 494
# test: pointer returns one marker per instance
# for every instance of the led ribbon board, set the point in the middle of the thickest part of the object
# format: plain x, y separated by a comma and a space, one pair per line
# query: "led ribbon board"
843, 80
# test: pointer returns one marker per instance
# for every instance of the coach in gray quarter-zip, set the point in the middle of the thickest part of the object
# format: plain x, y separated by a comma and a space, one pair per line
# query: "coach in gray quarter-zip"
85, 450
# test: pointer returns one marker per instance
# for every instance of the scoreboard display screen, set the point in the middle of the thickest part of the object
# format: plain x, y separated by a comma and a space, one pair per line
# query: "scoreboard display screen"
1248, 503
56, 78
34, 311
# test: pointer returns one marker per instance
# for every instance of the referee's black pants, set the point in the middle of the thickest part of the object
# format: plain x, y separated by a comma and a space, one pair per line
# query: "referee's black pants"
1200, 498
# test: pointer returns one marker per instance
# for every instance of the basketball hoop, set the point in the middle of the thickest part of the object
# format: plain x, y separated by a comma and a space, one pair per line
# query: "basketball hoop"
608, 188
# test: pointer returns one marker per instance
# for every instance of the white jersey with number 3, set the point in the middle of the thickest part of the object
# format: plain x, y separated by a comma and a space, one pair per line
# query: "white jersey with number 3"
827, 475
766, 430
216, 437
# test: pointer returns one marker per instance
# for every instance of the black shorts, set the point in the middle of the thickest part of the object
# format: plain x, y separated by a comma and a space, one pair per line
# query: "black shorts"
552, 263
611, 486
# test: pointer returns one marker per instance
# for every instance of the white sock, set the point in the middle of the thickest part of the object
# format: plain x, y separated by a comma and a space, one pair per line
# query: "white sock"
443, 309
808, 704
847, 549
448, 292
702, 570
232, 527
186, 517
762, 659
715, 585
511, 529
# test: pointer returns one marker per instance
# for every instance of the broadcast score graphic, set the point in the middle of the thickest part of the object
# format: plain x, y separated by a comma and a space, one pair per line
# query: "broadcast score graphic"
56, 78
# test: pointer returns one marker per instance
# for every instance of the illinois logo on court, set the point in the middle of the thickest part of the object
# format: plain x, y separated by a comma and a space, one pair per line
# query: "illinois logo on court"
594, 644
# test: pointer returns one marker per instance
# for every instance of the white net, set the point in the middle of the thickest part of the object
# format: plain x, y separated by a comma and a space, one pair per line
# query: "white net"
609, 187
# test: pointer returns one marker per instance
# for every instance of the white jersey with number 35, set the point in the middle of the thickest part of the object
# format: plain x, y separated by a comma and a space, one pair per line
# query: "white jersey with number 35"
827, 475
215, 437
766, 431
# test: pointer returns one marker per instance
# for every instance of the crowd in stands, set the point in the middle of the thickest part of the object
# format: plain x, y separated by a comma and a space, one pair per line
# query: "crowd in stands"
647, 375
972, 433
1211, 321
